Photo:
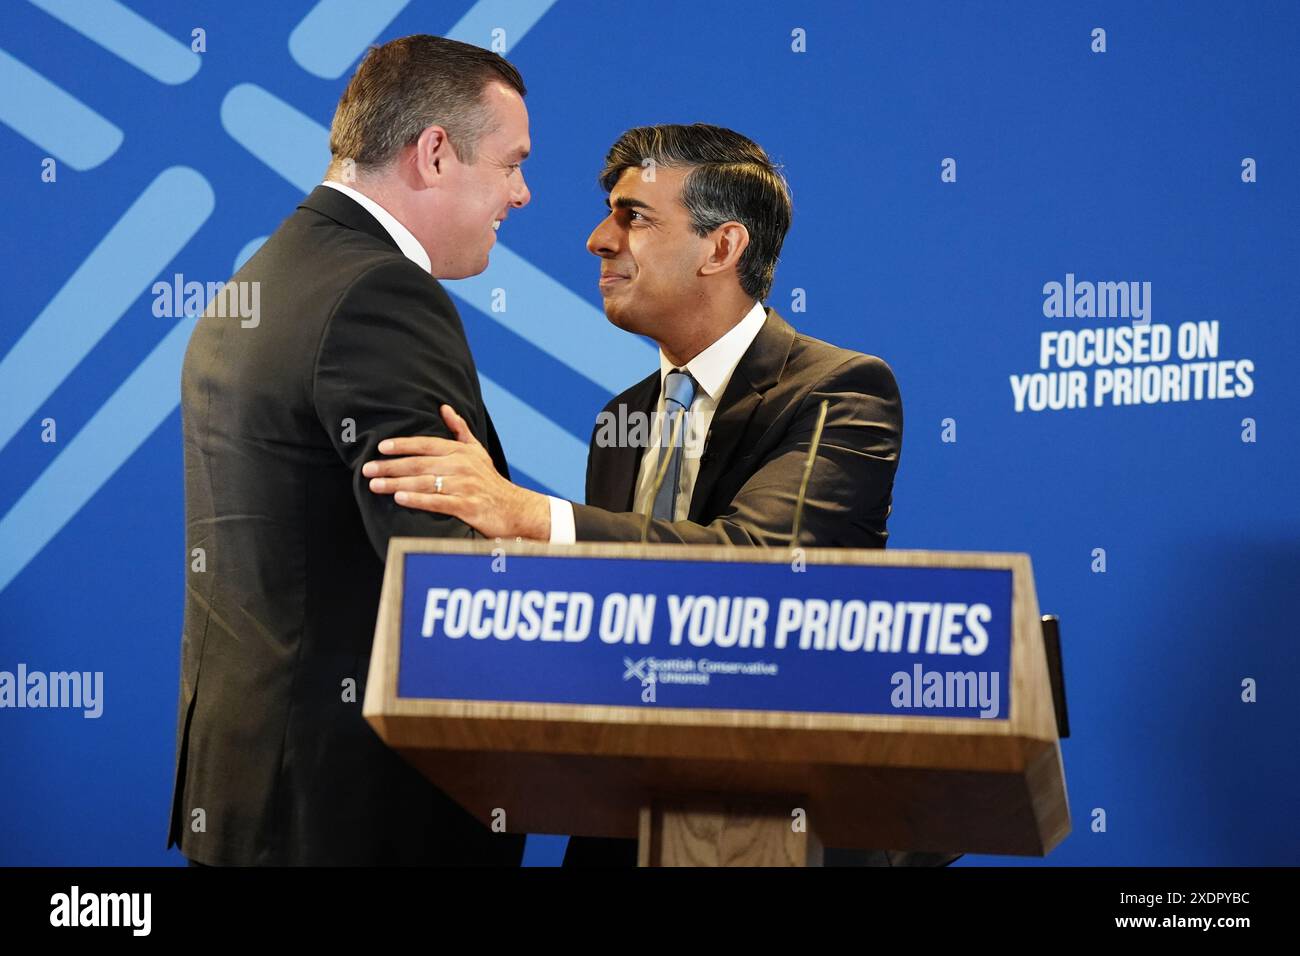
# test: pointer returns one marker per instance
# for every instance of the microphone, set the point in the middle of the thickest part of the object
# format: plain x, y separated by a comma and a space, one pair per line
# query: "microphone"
660, 474
807, 473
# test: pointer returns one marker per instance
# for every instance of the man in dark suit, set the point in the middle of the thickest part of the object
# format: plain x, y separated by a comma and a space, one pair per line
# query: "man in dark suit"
697, 218
356, 341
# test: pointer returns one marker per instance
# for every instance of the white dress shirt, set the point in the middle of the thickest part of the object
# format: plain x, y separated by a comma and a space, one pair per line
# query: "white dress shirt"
409, 245
561, 510
712, 370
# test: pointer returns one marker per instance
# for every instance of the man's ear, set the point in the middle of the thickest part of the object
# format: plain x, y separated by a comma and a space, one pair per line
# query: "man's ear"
432, 153
730, 240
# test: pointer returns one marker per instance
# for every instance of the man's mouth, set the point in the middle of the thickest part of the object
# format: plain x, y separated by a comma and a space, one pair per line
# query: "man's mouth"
496, 224
608, 279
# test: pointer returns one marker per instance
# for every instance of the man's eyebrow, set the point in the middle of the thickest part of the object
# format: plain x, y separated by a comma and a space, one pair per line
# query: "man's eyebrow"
521, 154
627, 202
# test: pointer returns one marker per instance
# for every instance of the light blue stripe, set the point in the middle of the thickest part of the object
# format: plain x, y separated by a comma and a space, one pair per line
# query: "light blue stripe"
514, 17
122, 31
91, 458
287, 140
536, 444
334, 33
57, 122
156, 227
559, 322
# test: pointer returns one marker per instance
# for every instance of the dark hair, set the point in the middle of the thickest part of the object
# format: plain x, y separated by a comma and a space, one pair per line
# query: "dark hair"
409, 84
731, 178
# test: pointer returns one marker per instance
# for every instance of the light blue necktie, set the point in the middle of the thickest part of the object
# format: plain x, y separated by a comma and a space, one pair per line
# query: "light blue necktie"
679, 392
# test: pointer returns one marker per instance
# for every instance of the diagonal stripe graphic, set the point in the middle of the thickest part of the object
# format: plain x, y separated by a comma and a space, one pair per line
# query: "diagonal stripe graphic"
540, 447
334, 33
150, 234
514, 17
122, 425
54, 119
285, 139
122, 31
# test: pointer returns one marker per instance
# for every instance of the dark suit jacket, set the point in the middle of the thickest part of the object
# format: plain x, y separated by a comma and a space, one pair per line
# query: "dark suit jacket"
356, 343
749, 477
753, 458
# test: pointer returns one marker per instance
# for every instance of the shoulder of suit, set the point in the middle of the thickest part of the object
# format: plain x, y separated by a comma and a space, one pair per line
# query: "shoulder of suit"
812, 358
356, 262
314, 256
352, 251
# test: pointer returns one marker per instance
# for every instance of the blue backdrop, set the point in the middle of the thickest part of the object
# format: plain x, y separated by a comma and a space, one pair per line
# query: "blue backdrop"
947, 161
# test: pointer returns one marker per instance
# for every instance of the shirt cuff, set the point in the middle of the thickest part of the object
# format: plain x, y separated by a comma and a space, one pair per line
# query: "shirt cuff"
562, 528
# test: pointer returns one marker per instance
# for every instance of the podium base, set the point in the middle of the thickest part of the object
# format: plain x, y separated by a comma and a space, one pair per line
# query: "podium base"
727, 832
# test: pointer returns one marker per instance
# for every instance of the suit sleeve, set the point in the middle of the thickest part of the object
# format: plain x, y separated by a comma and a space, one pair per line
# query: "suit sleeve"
850, 490
392, 352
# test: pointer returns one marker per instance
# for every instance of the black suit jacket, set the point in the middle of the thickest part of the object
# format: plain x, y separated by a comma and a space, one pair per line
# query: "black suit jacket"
749, 477
355, 343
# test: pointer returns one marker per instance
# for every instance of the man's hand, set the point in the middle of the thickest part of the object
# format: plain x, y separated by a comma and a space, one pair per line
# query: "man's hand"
458, 478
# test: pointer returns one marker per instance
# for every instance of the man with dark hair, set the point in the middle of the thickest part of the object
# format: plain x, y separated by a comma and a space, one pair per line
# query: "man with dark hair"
697, 217
357, 341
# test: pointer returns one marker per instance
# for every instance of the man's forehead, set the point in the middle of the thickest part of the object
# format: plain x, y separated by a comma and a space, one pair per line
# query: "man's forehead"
506, 146
658, 186
510, 117
511, 145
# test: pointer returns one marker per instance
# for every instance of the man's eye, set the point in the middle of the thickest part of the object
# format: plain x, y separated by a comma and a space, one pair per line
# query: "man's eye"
633, 212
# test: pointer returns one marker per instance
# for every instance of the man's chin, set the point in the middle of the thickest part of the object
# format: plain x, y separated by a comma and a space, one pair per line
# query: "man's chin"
465, 270
620, 317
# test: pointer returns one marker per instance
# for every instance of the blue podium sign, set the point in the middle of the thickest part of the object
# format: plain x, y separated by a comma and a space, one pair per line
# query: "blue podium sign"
687, 633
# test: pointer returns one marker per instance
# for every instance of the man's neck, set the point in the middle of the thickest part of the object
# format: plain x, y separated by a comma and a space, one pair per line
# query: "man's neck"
720, 320
374, 191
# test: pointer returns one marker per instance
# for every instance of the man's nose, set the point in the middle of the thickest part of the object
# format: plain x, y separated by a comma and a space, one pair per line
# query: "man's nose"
522, 194
604, 239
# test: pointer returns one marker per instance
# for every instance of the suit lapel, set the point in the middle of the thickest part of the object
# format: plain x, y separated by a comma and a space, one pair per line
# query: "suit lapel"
614, 469
759, 369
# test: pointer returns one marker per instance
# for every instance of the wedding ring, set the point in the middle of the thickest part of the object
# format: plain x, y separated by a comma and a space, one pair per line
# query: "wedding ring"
437, 484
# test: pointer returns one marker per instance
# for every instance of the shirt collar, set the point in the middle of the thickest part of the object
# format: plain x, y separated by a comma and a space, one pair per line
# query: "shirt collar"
712, 368
407, 243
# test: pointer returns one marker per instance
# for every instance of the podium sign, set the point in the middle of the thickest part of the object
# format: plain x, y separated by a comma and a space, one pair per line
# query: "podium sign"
795, 637
687, 694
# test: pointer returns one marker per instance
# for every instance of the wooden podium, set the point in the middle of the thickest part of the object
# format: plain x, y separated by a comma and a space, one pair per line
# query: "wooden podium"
710, 786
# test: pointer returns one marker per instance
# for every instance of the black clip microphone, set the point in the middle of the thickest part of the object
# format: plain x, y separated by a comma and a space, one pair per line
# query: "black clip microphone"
807, 473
